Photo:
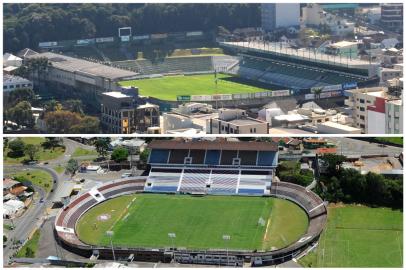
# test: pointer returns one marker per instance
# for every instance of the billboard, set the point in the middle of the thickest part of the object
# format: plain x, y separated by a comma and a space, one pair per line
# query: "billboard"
280, 93
85, 41
104, 39
183, 98
47, 44
141, 37
201, 98
194, 33
332, 88
309, 96
349, 85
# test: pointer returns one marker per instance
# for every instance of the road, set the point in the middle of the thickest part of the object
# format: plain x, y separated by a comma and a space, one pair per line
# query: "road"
25, 224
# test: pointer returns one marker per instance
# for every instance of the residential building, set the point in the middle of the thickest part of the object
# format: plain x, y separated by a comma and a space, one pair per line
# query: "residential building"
122, 114
392, 16
11, 83
394, 117
275, 15
369, 110
236, 121
343, 49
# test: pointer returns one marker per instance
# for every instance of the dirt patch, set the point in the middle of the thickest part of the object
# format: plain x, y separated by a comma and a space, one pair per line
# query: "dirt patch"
103, 217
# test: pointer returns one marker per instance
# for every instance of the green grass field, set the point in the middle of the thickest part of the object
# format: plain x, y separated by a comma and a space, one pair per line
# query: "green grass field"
30, 248
358, 236
80, 152
43, 154
394, 140
199, 222
167, 88
36, 177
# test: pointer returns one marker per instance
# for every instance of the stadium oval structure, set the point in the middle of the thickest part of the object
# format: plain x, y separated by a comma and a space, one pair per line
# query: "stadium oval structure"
68, 217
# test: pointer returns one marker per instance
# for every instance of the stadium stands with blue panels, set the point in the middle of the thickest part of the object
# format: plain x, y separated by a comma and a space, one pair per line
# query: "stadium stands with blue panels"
217, 167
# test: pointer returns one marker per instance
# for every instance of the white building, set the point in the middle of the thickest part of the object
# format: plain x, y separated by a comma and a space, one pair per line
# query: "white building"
11, 83
394, 117
11, 60
275, 15
12, 208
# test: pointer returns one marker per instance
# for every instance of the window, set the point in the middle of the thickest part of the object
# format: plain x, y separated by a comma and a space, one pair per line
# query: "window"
362, 117
362, 101
362, 109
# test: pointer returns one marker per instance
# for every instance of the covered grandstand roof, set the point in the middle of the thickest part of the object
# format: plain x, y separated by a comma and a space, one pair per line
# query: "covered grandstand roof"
71, 64
214, 145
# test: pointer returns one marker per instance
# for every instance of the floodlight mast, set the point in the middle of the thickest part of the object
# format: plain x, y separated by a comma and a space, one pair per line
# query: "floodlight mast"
110, 234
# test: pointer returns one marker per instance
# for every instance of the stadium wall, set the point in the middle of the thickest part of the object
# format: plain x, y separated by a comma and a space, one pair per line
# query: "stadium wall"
299, 195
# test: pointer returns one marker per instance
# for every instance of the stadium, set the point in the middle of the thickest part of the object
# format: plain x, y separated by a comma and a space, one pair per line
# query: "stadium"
177, 67
203, 202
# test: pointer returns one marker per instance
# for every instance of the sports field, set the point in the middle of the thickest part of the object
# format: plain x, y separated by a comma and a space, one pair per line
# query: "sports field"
167, 88
198, 222
358, 236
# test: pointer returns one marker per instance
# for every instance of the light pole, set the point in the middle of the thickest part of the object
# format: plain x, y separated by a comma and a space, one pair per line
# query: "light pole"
226, 238
110, 234
172, 236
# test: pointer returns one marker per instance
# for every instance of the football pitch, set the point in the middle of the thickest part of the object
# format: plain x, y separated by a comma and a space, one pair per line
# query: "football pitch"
358, 236
169, 87
144, 220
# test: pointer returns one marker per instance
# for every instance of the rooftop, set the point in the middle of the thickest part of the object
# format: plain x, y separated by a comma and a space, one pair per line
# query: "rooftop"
71, 64
246, 122
116, 94
219, 144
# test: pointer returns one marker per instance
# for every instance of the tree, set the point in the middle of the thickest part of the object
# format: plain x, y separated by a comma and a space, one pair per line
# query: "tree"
74, 105
102, 146
16, 147
29, 253
72, 166
61, 121
31, 151
53, 106
144, 155
334, 163
51, 142
86, 125
22, 114
317, 92
119, 154
18, 96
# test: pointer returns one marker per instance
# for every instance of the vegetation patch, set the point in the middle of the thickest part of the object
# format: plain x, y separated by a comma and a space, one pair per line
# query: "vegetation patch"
30, 248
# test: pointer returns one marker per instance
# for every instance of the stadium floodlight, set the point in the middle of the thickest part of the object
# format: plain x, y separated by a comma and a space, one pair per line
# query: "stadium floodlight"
110, 234
226, 238
172, 236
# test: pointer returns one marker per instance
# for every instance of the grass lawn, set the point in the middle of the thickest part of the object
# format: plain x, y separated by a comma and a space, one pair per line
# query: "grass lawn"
37, 178
80, 152
43, 154
394, 140
167, 88
358, 236
199, 222
59, 169
32, 245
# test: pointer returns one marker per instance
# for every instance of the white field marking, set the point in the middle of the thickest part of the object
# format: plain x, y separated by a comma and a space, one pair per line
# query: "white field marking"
318, 206
266, 230
64, 229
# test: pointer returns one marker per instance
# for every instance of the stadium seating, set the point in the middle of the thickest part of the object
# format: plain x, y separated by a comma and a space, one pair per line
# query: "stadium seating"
168, 65
159, 156
194, 180
267, 158
288, 74
254, 183
212, 157
224, 181
163, 180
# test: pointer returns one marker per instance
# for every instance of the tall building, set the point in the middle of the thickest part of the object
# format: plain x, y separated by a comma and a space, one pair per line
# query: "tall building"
122, 114
274, 15
392, 16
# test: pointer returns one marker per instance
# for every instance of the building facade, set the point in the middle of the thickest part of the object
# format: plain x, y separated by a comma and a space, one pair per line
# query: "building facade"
275, 15
392, 16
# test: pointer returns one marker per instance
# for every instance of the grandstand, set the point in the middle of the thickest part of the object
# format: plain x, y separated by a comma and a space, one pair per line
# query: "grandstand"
291, 68
187, 64
211, 167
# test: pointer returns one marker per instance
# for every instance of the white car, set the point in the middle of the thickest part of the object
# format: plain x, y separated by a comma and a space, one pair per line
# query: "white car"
125, 175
